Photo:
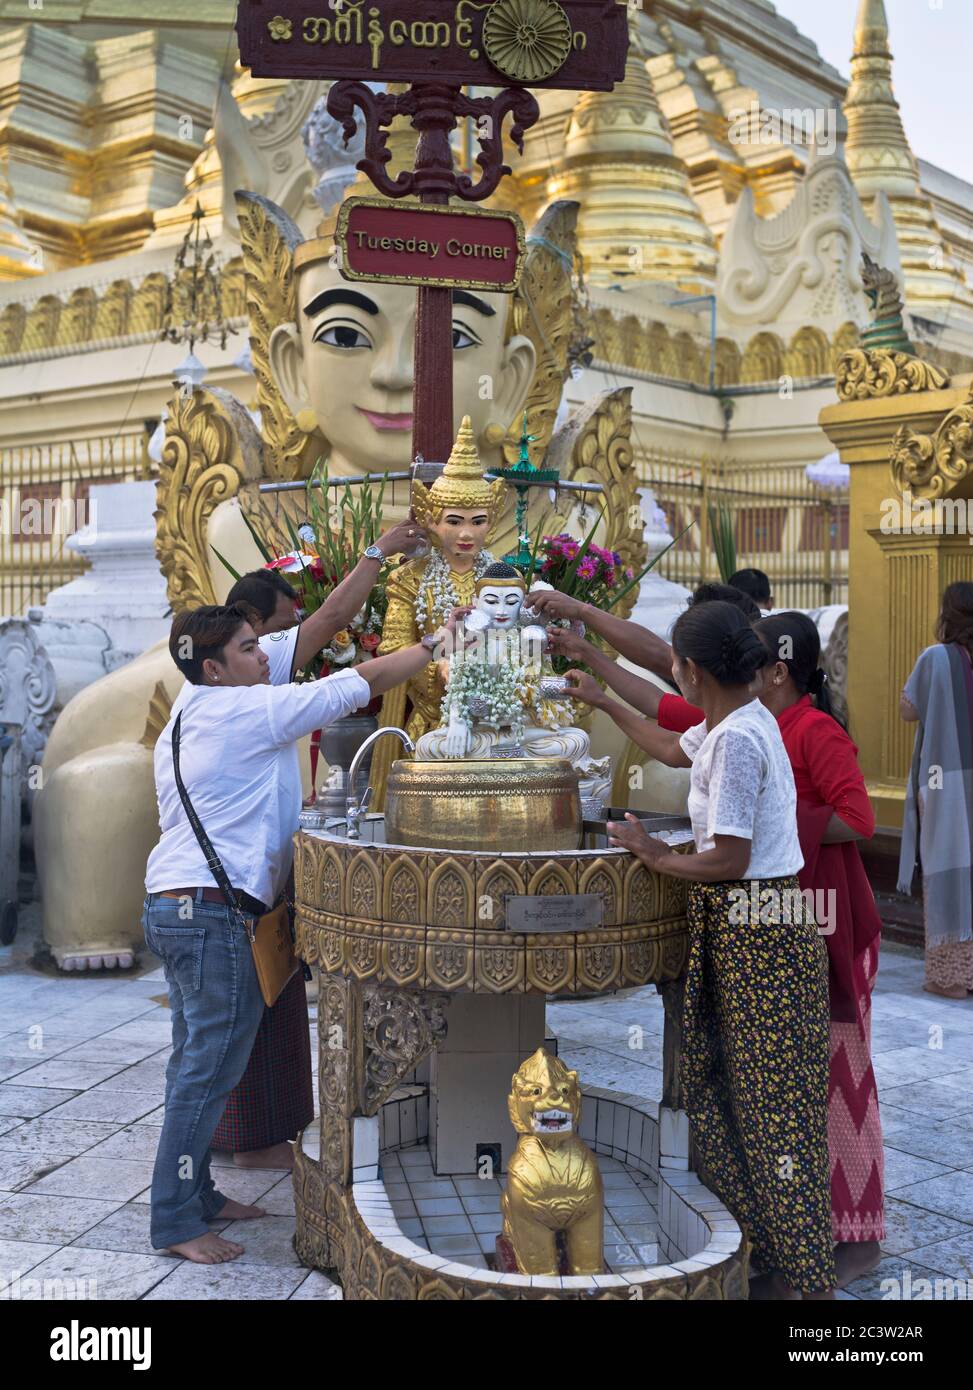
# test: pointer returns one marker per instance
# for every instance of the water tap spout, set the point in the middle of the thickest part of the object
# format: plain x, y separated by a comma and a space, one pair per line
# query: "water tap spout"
355, 810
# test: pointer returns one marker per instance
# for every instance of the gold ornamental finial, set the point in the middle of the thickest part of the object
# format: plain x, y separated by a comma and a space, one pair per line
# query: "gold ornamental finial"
880, 160
461, 483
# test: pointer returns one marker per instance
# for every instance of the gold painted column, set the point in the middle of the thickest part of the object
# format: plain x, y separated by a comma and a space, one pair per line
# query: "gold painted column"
907, 435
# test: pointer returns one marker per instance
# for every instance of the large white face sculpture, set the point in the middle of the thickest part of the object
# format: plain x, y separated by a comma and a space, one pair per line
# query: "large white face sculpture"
500, 604
348, 361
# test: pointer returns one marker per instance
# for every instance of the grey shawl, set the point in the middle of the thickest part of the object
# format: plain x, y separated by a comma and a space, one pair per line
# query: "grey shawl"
941, 689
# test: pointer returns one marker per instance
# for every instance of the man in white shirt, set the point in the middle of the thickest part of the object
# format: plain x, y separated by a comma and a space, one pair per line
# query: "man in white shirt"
239, 766
274, 1099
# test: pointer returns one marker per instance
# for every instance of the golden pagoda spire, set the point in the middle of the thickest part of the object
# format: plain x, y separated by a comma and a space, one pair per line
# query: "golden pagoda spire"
18, 258
638, 216
880, 161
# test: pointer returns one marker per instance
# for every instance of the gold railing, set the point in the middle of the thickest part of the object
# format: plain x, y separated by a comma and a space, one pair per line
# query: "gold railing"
44, 498
794, 531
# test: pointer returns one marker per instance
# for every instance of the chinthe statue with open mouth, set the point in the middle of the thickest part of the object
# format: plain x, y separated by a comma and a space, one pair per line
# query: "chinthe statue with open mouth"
553, 1182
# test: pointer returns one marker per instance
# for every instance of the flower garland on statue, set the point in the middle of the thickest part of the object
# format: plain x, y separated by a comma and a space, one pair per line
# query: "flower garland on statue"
437, 580
496, 682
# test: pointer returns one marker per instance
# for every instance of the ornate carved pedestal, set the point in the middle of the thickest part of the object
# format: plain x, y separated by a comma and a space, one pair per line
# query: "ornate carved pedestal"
401, 936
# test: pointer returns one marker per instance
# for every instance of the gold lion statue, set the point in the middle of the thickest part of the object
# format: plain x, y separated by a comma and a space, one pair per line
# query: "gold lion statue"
553, 1183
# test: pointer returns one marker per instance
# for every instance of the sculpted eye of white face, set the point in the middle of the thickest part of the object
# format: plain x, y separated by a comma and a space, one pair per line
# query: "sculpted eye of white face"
501, 604
342, 333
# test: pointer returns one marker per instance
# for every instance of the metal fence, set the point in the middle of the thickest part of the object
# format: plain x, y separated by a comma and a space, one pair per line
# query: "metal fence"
793, 530
44, 492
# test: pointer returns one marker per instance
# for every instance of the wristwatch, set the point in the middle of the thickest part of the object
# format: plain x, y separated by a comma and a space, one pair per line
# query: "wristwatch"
374, 552
430, 641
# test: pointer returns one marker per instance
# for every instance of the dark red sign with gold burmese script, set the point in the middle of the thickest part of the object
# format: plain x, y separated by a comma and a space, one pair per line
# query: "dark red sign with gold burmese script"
577, 44
469, 248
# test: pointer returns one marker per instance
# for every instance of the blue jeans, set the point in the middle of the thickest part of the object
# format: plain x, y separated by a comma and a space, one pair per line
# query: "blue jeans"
216, 1008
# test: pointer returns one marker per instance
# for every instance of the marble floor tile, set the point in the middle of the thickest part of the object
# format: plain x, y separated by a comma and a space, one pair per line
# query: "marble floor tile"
931, 1099
135, 1141
953, 1257
319, 1288
941, 1141
36, 1047
109, 1048
72, 1137
907, 1064
102, 1274
124, 1107
950, 1194
891, 1280
28, 1101
18, 1256
125, 1229
907, 1227
67, 1074
901, 1169
279, 1201
19, 1170
266, 1241
234, 1281
34, 1216
114, 1178
14, 1066
147, 1075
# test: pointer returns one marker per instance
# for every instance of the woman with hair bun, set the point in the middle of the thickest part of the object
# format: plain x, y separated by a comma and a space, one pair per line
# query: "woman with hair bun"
755, 1019
833, 811
937, 828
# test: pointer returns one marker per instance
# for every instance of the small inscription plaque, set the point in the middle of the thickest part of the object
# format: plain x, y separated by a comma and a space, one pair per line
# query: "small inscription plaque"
554, 912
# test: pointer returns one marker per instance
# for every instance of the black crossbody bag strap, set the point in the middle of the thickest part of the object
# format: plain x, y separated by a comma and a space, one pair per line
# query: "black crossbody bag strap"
213, 861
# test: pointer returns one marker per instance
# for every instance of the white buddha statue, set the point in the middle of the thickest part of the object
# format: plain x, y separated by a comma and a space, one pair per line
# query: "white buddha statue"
501, 693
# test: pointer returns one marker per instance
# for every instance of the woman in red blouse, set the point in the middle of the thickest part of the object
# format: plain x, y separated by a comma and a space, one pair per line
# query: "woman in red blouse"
833, 811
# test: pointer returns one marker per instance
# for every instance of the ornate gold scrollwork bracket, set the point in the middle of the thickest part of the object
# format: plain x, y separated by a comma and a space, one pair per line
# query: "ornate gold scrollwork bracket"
371, 1037
400, 1028
211, 448
929, 465
596, 446
874, 373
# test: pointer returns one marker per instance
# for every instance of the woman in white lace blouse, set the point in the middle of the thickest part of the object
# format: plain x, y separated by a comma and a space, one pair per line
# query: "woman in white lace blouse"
755, 1043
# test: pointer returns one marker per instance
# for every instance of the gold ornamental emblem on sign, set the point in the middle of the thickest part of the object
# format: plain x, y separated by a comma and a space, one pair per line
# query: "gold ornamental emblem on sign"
527, 40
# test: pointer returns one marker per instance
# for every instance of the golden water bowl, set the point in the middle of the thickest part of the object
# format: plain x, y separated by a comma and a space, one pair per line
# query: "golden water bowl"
489, 806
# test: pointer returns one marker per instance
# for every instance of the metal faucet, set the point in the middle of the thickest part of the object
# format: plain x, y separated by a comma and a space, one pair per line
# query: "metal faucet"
355, 810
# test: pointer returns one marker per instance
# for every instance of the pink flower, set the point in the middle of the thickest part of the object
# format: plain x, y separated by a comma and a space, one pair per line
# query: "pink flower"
369, 641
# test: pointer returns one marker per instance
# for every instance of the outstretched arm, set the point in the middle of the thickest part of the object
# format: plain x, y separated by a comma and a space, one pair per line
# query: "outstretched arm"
661, 744
348, 597
642, 694
631, 640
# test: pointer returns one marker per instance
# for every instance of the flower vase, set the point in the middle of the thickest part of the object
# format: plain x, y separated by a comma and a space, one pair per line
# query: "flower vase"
339, 744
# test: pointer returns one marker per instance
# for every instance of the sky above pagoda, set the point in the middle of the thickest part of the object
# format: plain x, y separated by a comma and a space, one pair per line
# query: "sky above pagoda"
932, 47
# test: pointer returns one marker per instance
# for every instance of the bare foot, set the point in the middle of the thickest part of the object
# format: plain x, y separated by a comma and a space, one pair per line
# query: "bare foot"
237, 1211
277, 1156
209, 1249
854, 1258
771, 1288
817, 1297
946, 991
